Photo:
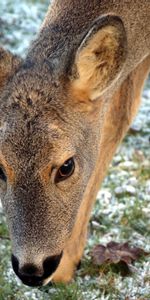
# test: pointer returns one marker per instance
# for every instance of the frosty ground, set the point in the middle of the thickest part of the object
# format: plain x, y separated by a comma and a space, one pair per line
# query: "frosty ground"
122, 209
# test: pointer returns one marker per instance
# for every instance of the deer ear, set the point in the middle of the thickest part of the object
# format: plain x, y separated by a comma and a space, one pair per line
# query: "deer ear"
9, 63
100, 57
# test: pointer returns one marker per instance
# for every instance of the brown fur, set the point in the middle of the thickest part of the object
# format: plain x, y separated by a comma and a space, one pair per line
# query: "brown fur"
75, 95
116, 123
8, 64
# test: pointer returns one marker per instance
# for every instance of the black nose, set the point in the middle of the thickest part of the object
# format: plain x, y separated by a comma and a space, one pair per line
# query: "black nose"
32, 275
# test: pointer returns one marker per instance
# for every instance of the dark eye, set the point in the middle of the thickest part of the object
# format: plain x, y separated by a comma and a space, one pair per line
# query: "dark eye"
2, 175
65, 171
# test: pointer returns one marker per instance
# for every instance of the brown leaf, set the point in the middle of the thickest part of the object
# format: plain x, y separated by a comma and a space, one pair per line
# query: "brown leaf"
115, 253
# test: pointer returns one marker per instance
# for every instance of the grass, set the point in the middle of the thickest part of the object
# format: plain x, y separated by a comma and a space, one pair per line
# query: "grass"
118, 217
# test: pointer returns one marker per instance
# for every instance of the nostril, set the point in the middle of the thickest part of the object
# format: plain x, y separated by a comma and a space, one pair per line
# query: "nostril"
50, 264
15, 263
30, 270
33, 275
26, 270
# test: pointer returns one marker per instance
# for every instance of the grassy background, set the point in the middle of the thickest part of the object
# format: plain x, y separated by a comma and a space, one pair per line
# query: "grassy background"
122, 208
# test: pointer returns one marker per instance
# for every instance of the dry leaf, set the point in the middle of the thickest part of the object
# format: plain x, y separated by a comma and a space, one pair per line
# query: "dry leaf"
116, 253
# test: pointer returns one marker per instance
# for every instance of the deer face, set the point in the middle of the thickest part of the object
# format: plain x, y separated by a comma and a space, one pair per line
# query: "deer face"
44, 170
49, 143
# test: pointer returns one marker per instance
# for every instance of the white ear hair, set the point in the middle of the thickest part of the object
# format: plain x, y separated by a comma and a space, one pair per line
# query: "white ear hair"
100, 57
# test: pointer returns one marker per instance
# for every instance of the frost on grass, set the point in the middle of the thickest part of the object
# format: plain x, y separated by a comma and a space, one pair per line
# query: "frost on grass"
19, 21
122, 208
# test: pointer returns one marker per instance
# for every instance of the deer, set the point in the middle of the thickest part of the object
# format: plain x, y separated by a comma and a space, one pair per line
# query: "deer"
64, 109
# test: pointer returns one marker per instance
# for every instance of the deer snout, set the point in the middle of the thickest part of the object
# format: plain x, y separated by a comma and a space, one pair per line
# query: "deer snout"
32, 274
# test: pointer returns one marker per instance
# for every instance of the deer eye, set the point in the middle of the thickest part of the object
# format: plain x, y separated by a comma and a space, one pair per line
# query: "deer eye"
2, 175
66, 170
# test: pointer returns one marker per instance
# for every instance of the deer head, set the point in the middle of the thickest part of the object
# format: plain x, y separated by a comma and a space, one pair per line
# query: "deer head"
51, 118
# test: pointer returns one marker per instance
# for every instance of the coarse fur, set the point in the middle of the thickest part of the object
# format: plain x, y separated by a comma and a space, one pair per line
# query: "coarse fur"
74, 95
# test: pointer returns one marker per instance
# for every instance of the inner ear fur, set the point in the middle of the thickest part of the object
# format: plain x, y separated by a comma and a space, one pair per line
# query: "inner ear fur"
9, 63
100, 57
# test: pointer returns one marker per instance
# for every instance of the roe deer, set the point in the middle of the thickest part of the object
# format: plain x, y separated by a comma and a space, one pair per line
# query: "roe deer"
64, 110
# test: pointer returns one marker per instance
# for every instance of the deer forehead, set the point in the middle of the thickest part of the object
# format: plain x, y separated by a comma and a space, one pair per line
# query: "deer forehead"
38, 149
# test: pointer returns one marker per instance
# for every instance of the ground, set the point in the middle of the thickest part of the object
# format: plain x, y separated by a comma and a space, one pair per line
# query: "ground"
122, 208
